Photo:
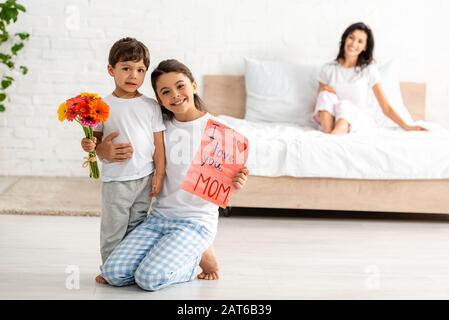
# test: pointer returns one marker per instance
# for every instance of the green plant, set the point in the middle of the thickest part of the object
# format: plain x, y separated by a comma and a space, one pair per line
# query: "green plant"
9, 11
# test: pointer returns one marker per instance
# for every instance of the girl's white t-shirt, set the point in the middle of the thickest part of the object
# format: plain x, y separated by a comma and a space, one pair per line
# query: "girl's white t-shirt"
182, 141
136, 120
353, 84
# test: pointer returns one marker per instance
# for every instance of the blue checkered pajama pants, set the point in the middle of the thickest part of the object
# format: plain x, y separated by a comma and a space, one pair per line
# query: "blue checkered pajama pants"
158, 253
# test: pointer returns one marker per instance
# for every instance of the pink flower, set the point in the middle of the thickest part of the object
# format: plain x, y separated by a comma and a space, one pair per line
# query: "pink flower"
88, 121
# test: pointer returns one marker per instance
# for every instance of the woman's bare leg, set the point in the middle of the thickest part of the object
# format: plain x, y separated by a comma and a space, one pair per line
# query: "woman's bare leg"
341, 126
326, 121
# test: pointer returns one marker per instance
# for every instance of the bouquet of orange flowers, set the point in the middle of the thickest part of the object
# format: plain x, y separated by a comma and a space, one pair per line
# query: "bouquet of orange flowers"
88, 109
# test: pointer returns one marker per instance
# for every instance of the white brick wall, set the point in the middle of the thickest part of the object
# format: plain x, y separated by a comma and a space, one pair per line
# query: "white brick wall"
70, 40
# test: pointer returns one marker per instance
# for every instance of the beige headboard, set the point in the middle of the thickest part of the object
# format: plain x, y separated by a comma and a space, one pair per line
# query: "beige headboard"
226, 95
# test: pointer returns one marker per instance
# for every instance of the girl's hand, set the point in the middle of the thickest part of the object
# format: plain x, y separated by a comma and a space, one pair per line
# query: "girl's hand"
240, 178
88, 145
156, 185
328, 89
114, 152
414, 128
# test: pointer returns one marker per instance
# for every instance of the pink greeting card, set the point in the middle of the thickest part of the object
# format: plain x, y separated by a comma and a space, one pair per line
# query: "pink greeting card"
222, 154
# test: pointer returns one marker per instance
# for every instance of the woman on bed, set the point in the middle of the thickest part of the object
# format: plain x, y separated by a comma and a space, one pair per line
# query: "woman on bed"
344, 86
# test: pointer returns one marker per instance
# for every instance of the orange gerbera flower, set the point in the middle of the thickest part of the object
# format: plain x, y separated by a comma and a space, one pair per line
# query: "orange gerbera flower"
84, 110
100, 110
79, 104
75, 101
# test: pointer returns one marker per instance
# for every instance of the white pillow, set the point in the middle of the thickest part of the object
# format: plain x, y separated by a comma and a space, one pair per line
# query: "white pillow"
280, 91
390, 85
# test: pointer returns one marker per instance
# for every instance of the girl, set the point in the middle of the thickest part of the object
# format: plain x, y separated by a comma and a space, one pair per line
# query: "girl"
344, 84
166, 248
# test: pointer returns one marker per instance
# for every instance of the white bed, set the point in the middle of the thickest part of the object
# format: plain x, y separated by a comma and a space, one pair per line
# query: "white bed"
286, 149
384, 170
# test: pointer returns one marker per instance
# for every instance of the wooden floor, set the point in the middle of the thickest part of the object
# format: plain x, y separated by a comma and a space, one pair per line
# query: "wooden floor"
262, 257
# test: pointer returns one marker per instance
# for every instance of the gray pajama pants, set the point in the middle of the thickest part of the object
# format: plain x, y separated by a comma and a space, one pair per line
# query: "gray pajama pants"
125, 205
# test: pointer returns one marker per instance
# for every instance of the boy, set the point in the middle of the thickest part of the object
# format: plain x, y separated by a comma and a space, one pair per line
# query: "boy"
134, 177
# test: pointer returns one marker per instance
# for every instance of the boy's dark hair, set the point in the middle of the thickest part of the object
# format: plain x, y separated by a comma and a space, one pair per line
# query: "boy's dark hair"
129, 49
172, 65
366, 57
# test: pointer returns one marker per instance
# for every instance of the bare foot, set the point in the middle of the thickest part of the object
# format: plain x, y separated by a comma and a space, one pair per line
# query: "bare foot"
209, 264
99, 279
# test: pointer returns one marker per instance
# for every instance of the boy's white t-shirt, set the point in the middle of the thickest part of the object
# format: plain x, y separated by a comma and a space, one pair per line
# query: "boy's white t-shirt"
136, 120
353, 84
182, 141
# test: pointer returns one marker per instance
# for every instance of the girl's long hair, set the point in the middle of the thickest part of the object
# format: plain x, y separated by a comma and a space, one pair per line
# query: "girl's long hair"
172, 65
365, 57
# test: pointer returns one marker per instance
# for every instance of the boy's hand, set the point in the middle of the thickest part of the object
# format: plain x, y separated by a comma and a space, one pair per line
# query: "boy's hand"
241, 178
114, 152
88, 145
156, 185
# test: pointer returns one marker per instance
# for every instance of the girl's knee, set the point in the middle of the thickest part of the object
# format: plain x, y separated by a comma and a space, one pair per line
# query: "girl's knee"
115, 277
150, 281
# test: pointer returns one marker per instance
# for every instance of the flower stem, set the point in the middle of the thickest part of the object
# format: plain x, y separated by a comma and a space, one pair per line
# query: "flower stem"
92, 159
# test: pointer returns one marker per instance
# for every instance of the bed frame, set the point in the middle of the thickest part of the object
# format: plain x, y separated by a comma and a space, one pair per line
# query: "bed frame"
225, 95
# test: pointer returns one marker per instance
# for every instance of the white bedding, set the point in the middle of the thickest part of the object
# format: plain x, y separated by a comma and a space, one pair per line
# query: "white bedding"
285, 149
